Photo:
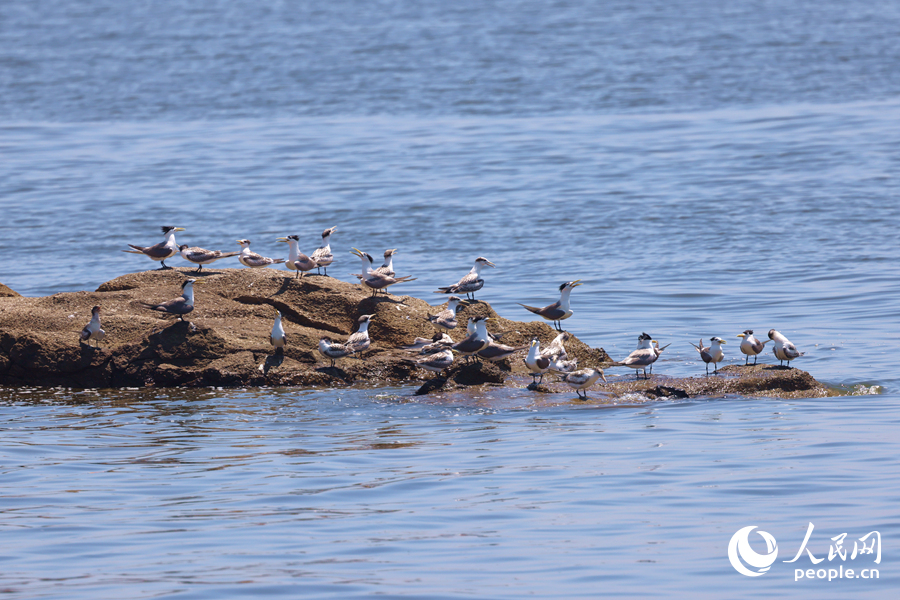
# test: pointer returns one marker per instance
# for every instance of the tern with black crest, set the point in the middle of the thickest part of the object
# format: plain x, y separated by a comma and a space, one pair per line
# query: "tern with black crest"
253, 260
322, 255
751, 346
560, 309
202, 256
296, 261
178, 306
476, 341
471, 282
373, 280
711, 354
161, 251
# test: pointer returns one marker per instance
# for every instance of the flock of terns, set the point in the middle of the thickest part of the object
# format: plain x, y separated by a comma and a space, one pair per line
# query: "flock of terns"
436, 353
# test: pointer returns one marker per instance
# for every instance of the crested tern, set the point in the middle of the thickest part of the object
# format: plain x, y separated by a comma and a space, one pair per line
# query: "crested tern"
560, 309
471, 282
495, 352
333, 350
277, 338
426, 345
387, 267
374, 280
322, 255
161, 251
644, 356
474, 342
583, 379
92, 330
446, 319
434, 362
535, 362
201, 256
178, 306
359, 342
253, 260
296, 261
784, 350
751, 346
711, 354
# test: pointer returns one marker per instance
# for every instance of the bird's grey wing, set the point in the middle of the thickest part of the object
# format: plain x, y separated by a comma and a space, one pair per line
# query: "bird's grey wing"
159, 250
200, 254
705, 355
641, 357
85, 334
790, 350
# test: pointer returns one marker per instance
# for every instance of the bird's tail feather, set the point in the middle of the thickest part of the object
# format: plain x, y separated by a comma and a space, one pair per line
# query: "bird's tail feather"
529, 308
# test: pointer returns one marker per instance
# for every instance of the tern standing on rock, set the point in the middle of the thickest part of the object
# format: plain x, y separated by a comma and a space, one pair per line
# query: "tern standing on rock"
161, 251
92, 330
374, 280
446, 319
583, 379
784, 350
713, 354
333, 350
751, 346
278, 339
296, 261
535, 362
387, 267
201, 256
475, 341
435, 362
322, 255
559, 310
471, 282
253, 260
359, 342
644, 356
179, 306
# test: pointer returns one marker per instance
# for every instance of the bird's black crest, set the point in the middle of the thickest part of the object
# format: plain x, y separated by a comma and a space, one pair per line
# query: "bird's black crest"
645, 336
183, 247
748, 332
167, 228
296, 238
563, 286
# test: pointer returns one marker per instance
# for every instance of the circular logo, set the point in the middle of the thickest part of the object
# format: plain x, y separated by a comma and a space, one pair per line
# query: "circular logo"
740, 552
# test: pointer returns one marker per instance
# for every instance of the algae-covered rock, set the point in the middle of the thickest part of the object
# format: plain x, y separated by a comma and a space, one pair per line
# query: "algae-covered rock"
225, 341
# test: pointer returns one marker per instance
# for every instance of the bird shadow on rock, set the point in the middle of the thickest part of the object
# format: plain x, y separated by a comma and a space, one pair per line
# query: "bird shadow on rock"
273, 360
335, 372
373, 301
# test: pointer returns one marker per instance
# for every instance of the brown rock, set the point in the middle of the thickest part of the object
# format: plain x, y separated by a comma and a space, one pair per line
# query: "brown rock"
225, 340
5, 292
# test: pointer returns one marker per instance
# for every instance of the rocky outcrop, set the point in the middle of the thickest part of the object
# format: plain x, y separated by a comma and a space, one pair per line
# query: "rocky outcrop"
5, 292
225, 341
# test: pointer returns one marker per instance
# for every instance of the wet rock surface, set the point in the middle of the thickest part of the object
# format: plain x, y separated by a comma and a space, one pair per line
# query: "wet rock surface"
224, 342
